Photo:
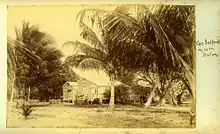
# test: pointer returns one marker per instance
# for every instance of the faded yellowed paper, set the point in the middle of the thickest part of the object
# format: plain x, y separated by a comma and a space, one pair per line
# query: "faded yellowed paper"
207, 78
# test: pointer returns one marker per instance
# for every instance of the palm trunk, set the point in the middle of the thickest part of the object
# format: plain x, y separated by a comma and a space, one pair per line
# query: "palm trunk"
192, 77
193, 105
194, 97
74, 99
29, 93
149, 100
19, 93
12, 89
112, 96
12, 93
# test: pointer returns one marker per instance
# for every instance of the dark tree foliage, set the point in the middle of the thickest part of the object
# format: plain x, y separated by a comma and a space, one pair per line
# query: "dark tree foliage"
47, 76
122, 94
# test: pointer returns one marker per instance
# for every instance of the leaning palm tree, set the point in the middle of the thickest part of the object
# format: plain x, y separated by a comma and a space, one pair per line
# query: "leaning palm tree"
41, 44
19, 47
28, 55
167, 31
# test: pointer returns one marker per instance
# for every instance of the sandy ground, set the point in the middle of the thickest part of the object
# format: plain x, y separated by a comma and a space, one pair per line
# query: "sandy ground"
60, 116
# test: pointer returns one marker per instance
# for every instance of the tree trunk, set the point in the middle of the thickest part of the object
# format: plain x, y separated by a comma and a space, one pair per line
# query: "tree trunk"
112, 96
12, 89
193, 107
192, 89
162, 96
179, 97
162, 101
19, 93
149, 100
12, 93
74, 97
29, 93
173, 101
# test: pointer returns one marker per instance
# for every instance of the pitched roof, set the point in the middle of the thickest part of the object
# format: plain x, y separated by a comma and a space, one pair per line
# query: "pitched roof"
70, 83
98, 78
86, 80
73, 83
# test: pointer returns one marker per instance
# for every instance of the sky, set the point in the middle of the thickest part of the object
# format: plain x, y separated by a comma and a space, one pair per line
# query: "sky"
58, 21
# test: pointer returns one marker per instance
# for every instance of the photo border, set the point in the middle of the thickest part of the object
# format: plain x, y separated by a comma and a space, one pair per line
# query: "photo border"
202, 118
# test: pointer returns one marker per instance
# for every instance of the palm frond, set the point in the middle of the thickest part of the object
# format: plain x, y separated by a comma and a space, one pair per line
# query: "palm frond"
164, 34
91, 37
85, 62
87, 50
93, 13
33, 37
22, 49
11, 56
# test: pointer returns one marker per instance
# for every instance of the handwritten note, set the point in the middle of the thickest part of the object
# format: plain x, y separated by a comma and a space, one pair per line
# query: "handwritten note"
208, 47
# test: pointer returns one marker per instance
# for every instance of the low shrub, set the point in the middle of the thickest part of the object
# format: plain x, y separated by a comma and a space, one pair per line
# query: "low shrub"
26, 110
96, 101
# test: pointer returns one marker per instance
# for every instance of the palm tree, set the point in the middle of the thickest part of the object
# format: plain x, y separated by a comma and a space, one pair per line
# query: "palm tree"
97, 54
19, 47
43, 45
165, 34
30, 56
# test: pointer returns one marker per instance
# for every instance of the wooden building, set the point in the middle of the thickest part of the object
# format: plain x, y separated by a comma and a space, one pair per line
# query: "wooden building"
83, 90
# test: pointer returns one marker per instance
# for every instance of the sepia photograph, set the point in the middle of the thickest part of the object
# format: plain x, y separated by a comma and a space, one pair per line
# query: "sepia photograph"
101, 66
